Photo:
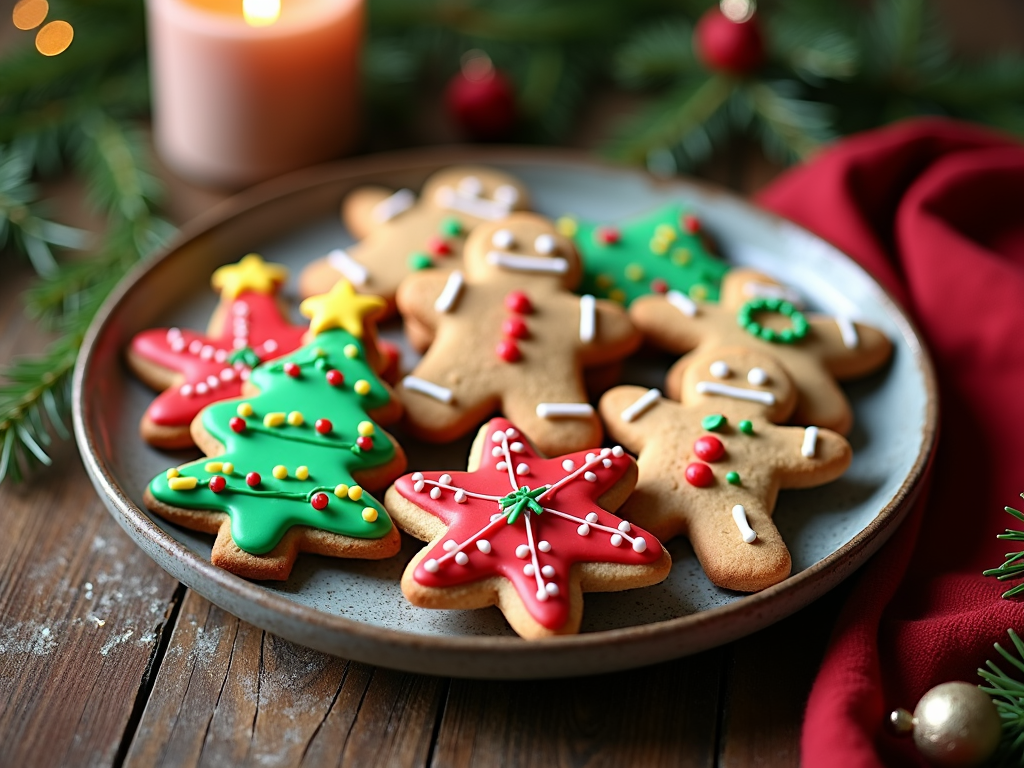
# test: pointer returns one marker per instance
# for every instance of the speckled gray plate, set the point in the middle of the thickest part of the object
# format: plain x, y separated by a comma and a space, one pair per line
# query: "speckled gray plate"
355, 609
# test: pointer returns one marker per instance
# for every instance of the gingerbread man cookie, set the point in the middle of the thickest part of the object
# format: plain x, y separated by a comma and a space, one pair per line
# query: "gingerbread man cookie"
711, 467
759, 312
509, 335
523, 532
400, 234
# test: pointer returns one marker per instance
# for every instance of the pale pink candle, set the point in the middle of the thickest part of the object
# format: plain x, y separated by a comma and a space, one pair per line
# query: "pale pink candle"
241, 95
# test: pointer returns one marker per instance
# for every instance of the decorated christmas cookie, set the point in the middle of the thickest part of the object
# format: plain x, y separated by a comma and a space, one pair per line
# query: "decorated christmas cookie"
654, 253
402, 234
289, 465
523, 532
508, 335
195, 370
758, 312
711, 467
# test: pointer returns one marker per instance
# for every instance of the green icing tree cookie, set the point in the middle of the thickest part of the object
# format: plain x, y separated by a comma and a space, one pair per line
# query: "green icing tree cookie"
654, 253
282, 466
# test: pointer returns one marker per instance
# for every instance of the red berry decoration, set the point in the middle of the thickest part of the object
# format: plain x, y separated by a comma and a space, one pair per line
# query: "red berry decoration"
699, 475
515, 328
365, 443
659, 286
508, 351
709, 448
323, 426
729, 39
438, 246
218, 483
480, 99
237, 424
253, 479
691, 224
518, 302
608, 235
292, 370
335, 377
319, 501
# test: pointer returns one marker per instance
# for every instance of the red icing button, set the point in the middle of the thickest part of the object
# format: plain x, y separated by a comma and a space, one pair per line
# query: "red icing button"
659, 286
508, 351
699, 475
691, 224
319, 501
438, 246
335, 378
709, 448
292, 370
608, 235
365, 443
323, 426
515, 328
237, 424
519, 302
217, 483
253, 479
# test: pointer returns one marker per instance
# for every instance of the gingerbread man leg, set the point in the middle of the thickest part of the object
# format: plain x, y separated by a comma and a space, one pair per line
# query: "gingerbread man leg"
438, 405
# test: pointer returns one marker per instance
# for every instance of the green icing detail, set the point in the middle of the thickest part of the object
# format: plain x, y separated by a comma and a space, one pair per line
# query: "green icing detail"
261, 516
714, 422
451, 227
420, 260
733, 478
514, 503
246, 355
652, 247
746, 427
800, 326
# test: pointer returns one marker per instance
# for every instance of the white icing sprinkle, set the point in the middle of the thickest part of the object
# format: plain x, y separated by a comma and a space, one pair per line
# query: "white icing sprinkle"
497, 437
616, 540
544, 244
618, 451
583, 530
430, 566
350, 269
516, 447
497, 451
445, 479
810, 444
178, 344
738, 393
739, 515
449, 545
588, 318
592, 517
851, 340
212, 382
451, 292
552, 589
522, 551
270, 345
206, 353
606, 463
528, 569
417, 476
682, 302
201, 388
553, 265
460, 496
461, 558
645, 401
590, 477
568, 465
400, 202
228, 374
548, 571
571, 410
542, 596
418, 486
625, 527
186, 390
435, 492
544, 546
757, 377
503, 239
522, 469
501, 466
484, 546
428, 388
639, 544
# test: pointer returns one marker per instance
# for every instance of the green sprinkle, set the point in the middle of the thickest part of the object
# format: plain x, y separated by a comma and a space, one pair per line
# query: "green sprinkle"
800, 326
321, 364
714, 422
419, 260
451, 227
747, 427
733, 478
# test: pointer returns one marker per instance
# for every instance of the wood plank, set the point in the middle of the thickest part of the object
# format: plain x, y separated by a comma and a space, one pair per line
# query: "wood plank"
230, 694
663, 715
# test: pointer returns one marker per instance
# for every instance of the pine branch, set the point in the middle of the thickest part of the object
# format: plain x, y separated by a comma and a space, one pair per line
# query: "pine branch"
1013, 567
791, 128
1007, 693
656, 54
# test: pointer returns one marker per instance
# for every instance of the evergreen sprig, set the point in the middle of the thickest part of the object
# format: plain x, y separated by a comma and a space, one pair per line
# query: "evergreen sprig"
1007, 693
1013, 568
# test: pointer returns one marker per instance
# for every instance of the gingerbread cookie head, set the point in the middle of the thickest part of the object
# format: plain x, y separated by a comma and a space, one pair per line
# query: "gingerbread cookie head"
524, 247
481, 193
739, 380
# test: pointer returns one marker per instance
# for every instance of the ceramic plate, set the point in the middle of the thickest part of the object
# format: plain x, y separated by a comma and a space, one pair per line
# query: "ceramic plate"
355, 609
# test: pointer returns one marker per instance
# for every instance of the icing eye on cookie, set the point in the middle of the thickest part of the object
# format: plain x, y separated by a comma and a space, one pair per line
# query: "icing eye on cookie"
757, 377
503, 239
544, 244
720, 369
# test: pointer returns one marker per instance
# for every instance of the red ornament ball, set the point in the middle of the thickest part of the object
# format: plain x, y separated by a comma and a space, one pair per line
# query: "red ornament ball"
691, 223
253, 479
659, 286
335, 377
218, 483
480, 99
319, 501
365, 443
323, 426
733, 44
508, 351
518, 302
699, 475
709, 448
515, 328
237, 424
292, 370
608, 235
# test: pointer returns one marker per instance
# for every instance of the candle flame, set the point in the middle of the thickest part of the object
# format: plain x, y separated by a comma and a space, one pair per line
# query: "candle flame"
261, 13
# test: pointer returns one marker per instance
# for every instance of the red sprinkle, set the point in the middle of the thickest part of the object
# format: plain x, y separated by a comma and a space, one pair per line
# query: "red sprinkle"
365, 443
218, 483
518, 302
515, 328
691, 224
319, 501
253, 479
508, 351
237, 424
709, 448
699, 475
323, 426
608, 235
292, 370
438, 246
335, 377
659, 286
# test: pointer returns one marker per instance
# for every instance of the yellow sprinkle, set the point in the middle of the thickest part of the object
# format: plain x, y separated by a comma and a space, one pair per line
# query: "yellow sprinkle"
295, 419
370, 515
341, 490
352, 351
681, 257
227, 468
302, 473
214, 466
319, 352
617, 294
355, 493
172, 472
634, 272
275, 419
659, 247
362, 387
182, 483
604, 280
244, 410
280, 472
698, 292
665, 232
365, 428
567, 226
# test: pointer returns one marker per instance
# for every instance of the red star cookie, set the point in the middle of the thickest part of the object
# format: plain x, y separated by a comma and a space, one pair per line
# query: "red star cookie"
526, 533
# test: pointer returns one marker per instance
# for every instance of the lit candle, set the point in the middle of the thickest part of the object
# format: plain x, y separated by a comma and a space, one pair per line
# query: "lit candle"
244, 90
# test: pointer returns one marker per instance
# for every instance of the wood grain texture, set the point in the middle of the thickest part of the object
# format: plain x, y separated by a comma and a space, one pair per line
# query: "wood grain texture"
230, 694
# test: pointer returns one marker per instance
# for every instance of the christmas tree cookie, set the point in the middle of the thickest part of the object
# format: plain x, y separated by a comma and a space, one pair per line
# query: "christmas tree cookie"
194, 370
400, 234
759, 312
711, 466
523, 532
288, 465
654, 253
508, 335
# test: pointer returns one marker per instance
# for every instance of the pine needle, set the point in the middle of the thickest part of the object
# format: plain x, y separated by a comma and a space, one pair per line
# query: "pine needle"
1013, 567
1008, 695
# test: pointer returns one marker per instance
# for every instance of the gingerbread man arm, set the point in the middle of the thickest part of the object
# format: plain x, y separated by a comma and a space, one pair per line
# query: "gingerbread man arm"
606, 332
811, 456
677, 327
357, 209
849, 349
620, 409
417, 296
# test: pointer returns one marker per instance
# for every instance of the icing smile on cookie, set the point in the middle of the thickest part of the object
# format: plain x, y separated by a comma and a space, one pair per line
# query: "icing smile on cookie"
737, 393
547, 264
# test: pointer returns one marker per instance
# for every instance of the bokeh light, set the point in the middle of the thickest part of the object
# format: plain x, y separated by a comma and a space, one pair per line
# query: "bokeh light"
261, 13
54, 38
29, 14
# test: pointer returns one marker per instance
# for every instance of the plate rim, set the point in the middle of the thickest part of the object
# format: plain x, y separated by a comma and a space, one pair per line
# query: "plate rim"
138, 523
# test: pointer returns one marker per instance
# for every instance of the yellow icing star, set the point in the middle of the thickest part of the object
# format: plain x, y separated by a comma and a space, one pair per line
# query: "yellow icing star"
252, 273
341, 308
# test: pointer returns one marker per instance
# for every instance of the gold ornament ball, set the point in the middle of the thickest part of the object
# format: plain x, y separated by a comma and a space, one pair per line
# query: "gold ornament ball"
956, 724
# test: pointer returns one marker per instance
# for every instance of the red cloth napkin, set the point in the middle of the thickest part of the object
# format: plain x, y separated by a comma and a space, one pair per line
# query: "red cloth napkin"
935, 210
